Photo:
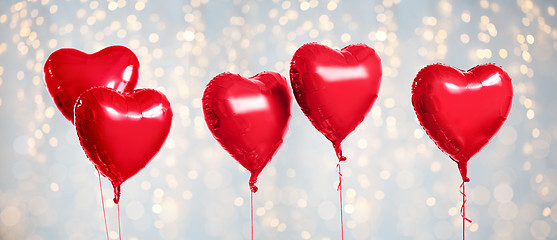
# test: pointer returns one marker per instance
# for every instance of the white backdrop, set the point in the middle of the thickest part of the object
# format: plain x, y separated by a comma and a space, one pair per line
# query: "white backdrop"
397, 184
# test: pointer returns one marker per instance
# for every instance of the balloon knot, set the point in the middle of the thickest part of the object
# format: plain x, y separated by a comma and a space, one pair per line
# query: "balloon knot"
252, 181
338, 151
253, 188
466, 179
116, 192
463, 171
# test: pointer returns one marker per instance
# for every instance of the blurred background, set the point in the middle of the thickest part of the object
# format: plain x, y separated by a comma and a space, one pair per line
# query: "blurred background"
397, 184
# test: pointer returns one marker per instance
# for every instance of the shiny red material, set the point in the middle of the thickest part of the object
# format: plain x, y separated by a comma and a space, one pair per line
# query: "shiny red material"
335, 89
462, 110
121, 132
69, 72
248, 117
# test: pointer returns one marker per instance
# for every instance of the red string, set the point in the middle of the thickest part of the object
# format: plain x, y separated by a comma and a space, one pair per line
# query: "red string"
463, 210
119, 229
251, 208
339, 189
102, 202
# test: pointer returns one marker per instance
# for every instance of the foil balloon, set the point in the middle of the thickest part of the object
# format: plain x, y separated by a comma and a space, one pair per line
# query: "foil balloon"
69, 72
335, 88
248, 117
462, 110
121, 132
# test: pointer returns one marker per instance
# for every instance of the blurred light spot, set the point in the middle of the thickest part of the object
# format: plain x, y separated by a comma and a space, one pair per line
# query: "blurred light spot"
430, 21
452, 211
430, 201
546, 212
157, 208
349, 208
54, 187
380, 35
503, 193
281, 227
530, 39
474, 227
379, 195
113, 235
153, 37
145, 185
465, 16
507, 211
302, 203
435, 166
187, 195
10, 216
305, 235
192, 174
139, 6
418, 133
362, 143
345, 37
158, 193
291, 173
530, 114
503, 53
112, 6
238, 202
540, 229
384, 174
260, 211
274, 222
535, 133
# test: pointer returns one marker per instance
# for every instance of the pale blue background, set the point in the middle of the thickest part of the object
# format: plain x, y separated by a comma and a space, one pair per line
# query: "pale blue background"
397, 184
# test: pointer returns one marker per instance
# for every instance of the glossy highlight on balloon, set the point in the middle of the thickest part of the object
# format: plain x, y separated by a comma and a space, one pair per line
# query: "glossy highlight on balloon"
248, 117
69, 73
335, 88
460, 110
121, 132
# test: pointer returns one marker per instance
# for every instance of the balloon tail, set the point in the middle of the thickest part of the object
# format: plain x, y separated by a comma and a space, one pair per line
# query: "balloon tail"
119, 228
463, 209
338, 151
251, 209
339, 189
116, 192
463, 170
252, 181
102, 203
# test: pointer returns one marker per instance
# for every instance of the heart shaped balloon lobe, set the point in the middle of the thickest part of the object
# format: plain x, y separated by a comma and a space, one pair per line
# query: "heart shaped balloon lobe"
335, 89
69, 73
462, 110
121, 132
248, 117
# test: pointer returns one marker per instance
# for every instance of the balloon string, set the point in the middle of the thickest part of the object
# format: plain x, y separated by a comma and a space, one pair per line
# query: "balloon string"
119, 229
339, 189
102, 202
251, 208
463, 210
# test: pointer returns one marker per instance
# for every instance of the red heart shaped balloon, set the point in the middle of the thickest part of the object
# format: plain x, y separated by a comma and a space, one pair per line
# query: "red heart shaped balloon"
462, 110
335, 89
248, 117
121, 132
69, 73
